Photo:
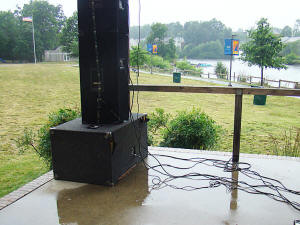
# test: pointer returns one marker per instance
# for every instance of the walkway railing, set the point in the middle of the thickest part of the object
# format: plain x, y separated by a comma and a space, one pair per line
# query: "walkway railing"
238, 92
234, 78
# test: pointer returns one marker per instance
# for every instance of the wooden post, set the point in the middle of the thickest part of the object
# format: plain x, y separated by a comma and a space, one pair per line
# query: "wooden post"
250, 80
234, 76
237, 125
279, 84
208, 75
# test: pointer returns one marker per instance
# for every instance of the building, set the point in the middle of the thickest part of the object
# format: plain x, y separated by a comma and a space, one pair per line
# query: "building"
57, 55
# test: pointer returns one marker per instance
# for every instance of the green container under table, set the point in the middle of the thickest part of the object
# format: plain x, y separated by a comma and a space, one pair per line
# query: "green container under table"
259, 99
176, 77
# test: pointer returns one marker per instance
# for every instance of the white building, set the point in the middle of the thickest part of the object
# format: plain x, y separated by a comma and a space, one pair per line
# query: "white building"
57, 55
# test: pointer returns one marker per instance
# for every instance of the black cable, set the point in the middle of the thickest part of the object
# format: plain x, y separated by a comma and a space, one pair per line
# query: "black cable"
275, 188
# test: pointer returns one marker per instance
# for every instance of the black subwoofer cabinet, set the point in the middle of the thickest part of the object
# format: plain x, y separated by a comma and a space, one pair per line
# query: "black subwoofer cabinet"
98, 155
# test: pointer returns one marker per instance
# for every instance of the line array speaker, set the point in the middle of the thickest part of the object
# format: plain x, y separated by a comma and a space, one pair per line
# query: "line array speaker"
104, 60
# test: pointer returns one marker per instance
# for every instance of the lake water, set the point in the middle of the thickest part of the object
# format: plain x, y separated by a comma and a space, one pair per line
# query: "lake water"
241, 68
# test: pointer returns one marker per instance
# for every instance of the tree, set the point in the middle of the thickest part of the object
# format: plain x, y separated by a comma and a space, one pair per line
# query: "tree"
69, 35
196, 33
221, 69
145, 31
48, 23
8, 34
157, 36
287, 32
296, 31
158, 33
174, 30
263, 49
138, 56
170, 50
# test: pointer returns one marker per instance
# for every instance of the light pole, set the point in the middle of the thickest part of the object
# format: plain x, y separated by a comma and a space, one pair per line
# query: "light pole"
33, 39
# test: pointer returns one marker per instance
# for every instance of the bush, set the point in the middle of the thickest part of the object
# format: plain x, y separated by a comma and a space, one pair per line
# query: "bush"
221, 69
292, 59
191, 130
288, 144
138, 56
159, 62
157, 120
185, 65
40, 141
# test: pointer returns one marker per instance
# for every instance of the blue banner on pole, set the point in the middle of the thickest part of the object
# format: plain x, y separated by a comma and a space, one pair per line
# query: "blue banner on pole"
149, 48
227, 47
232, 47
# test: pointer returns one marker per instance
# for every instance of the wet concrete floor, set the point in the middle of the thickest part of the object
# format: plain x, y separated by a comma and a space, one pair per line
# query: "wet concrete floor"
134, 201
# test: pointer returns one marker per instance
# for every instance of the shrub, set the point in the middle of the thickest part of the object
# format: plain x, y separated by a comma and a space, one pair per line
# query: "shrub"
185, 65
221, 69
288, 144
138, 56
159, 62
292, 59
159, 119
192, 130
40, 141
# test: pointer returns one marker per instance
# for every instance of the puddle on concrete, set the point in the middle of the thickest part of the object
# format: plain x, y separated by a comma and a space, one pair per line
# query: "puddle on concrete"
92, 204
134, 202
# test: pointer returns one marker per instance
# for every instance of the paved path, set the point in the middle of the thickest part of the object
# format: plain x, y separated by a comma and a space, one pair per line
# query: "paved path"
225, 83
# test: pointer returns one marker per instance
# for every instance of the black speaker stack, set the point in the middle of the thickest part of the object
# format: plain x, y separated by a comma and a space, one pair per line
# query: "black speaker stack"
108, 141
104, 60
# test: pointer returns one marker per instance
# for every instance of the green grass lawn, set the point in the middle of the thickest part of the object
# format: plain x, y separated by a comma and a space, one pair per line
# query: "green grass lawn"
29, 92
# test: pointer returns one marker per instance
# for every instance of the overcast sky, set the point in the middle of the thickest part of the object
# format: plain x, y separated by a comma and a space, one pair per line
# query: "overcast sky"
233, 13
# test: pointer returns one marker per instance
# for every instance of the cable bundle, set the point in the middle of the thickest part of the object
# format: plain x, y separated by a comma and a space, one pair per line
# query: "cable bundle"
269, 187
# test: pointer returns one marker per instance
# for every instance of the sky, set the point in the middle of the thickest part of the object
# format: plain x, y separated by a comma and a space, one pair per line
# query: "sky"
233, 13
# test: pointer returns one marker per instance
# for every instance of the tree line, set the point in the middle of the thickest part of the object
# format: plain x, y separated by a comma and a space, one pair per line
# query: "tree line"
16, 41
200, 39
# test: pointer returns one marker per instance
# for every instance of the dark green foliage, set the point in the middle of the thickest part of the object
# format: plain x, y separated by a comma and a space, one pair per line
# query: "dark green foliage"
169, 50
40, 141
138, 56
208, 50
292, 59
159, 119
174, 30
8, 34
185, 65
191, 130
292, 53
159, 62
48, 23
221, 69
16, 36
69, 35
157, 36
264, 48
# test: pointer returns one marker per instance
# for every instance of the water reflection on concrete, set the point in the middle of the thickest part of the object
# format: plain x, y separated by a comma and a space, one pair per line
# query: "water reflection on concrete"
234, 192
92, 204
131, 203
